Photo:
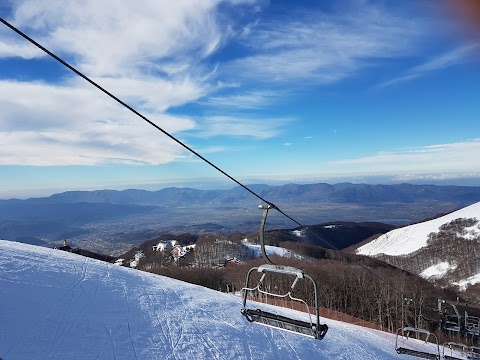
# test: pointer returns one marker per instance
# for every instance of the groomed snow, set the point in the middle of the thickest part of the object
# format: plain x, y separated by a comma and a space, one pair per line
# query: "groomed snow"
438, 270
58, 305
410, 238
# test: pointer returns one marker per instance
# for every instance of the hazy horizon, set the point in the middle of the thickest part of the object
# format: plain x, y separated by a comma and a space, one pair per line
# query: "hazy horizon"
221, 184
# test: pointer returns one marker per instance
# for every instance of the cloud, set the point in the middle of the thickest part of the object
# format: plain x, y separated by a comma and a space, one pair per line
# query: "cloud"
258, 128
245, 100
148, 54
444, 158
152, 93
323, 48
107, 40
45, 124
10, 48
454, 57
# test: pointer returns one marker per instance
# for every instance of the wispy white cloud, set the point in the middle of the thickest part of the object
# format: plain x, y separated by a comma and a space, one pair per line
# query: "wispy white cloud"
245, 100
454, 57
324, 48
10, 48
258, 128
108, 40
444, 158
146, 53
45, 124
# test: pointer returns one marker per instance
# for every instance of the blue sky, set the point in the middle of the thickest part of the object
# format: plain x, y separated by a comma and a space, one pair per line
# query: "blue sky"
272, 92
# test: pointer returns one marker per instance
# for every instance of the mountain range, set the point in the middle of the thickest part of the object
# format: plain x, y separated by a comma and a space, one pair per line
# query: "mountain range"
296, 193
107, 220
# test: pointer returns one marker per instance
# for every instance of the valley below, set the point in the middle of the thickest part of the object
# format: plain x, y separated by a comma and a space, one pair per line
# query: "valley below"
111, 222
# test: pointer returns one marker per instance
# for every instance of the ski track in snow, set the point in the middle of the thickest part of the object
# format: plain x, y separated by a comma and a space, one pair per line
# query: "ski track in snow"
56, 306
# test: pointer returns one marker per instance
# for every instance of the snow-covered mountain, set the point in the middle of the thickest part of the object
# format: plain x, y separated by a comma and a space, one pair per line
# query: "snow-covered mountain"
446, 247
58, 305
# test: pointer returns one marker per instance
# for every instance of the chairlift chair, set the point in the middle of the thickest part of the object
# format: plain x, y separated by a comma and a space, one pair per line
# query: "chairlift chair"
466, 325
473, 353
403, 334
472, 325
453, 351
452, 323
311, 328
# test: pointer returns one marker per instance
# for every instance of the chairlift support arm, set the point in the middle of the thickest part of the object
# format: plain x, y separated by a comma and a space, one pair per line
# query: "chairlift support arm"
262, 231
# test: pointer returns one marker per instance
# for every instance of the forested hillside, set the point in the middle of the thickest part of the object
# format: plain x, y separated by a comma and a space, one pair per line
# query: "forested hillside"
362, 287
452, 254
444, 250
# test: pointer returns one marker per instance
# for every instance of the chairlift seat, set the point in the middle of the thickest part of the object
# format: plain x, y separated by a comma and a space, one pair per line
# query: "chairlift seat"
282, 322
449, 357
420, 354
417, 353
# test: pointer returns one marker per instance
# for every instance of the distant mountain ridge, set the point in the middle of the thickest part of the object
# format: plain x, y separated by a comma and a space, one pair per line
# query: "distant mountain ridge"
307, 193
110, 219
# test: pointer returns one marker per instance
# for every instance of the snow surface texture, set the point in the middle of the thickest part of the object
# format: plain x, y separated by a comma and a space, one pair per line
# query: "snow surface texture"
58, 305
410, 238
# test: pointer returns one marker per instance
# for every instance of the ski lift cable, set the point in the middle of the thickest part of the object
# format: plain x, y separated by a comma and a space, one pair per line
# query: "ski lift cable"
143, 117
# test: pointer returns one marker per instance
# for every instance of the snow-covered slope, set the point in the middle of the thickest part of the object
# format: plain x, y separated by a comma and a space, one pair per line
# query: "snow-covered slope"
58, 305
444, 249
410, 238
